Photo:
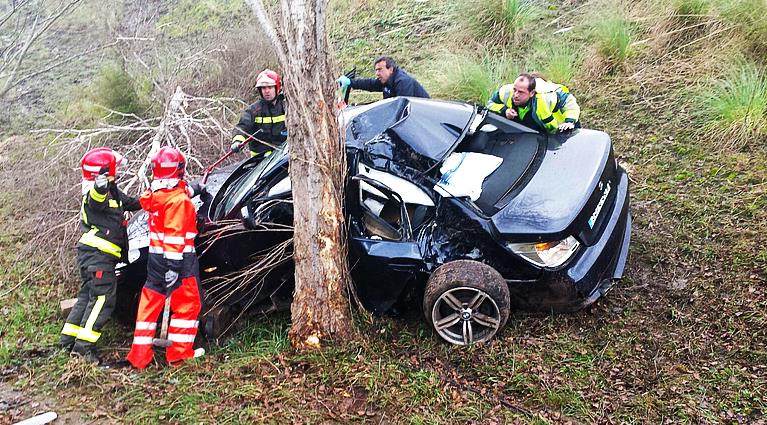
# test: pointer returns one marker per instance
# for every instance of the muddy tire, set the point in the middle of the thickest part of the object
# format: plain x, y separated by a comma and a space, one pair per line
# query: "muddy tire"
466, 302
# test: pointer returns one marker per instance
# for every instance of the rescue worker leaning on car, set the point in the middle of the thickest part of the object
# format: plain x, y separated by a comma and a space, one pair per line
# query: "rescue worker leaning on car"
537, 103
263, 120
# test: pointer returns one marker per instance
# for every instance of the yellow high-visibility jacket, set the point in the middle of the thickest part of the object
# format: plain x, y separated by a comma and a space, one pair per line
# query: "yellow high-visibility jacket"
552, 104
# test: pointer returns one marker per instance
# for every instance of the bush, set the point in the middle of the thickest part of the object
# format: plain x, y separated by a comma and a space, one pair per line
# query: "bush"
115, 89
734, 109
470, 79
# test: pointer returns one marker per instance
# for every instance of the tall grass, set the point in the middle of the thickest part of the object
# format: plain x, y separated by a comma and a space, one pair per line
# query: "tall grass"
470, 79
557, 61
750, 18
497, 21
734, 109
613, 34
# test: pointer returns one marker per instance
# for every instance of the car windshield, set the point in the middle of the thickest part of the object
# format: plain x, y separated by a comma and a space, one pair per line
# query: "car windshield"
240, 187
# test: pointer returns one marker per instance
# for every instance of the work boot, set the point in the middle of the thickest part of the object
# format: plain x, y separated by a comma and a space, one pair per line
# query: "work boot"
198, 352
87, 355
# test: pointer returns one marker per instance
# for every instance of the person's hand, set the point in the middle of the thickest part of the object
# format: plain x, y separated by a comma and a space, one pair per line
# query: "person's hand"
566, 126
344, 81
236, 147
511, 113
171, 278
196, 189
101, 181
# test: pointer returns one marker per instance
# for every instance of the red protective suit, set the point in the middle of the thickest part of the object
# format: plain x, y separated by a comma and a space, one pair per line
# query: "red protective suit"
172, 229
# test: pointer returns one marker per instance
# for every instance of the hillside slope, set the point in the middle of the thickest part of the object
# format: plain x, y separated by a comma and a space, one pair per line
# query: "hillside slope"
681, 339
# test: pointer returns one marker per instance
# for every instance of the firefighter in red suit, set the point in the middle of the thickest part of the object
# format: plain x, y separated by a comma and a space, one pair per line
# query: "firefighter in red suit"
172, 268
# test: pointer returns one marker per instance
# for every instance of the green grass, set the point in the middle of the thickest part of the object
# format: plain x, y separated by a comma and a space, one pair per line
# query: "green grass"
189, 18
612, 35
469, 78
557, 60
733, 109
496, 21
750, 19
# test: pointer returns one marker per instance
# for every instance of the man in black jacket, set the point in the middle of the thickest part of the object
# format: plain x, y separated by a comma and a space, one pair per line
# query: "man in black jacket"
390, 79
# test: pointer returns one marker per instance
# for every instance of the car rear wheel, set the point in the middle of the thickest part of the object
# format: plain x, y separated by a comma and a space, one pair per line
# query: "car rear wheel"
466, 302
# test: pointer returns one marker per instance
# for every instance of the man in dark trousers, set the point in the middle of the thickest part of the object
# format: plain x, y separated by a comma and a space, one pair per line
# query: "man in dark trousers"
263, 120
390, 79
104, 242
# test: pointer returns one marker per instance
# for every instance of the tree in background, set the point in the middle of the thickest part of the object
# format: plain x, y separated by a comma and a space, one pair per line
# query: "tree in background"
21, 28
320, 309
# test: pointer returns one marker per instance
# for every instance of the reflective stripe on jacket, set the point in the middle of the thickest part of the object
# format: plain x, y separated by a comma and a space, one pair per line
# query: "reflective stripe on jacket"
553, 104
172, 229
102, 220
262, 115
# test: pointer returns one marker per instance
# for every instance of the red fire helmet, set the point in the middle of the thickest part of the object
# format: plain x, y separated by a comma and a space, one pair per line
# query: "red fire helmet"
99, 161
268, 78
168, 163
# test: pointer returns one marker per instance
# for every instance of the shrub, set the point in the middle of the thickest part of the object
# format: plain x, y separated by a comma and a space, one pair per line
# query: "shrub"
470, 79
115, 89
734, 109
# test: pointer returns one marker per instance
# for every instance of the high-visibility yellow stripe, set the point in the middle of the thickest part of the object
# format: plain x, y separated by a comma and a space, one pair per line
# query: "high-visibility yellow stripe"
97, 196
70, 329
269, 120
100, 300
113, 204
239, 138
265, 154
88, 335
90, 239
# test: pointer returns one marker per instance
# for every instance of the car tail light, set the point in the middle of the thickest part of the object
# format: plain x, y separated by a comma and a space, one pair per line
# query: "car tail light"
546, 254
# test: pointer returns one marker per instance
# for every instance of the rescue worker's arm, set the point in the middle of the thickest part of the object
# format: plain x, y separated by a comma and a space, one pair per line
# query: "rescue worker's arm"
500, 99
244, 128
367, 84
129, 203
569, 107
176, 240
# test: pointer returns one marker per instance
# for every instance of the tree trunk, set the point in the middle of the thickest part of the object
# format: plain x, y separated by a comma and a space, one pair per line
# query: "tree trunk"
321, 308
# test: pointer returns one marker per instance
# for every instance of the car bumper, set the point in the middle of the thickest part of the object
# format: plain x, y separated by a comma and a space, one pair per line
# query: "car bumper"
593, 271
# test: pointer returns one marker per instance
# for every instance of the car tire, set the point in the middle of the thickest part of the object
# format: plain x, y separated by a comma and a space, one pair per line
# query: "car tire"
466, 302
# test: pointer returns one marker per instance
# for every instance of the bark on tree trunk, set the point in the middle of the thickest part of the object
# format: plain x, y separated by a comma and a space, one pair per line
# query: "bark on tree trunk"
321, 308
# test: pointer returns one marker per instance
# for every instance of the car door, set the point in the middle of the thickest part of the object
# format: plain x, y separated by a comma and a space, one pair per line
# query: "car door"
384, 257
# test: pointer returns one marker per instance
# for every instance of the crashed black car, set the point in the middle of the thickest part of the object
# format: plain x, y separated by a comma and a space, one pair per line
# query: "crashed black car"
450, 207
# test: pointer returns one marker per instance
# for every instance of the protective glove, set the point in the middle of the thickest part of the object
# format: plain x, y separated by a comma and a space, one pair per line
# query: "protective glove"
195, 189
101, 181
236, 147
171, 278
344, 81
283, 136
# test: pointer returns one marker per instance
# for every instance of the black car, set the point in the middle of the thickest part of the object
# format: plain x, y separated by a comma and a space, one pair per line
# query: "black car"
449, 207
